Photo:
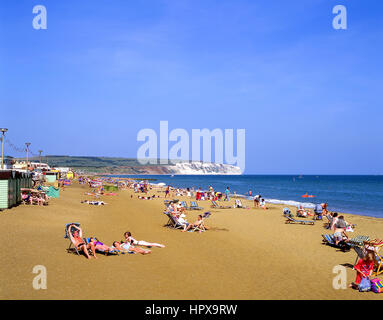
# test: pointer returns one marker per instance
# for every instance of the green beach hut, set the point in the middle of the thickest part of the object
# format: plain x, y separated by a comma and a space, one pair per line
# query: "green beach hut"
10, 184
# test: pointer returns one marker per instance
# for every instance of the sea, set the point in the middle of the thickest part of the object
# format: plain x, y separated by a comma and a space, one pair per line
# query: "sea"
356, 194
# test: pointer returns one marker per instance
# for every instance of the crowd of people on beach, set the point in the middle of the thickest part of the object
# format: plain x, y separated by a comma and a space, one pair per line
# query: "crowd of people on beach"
178, 211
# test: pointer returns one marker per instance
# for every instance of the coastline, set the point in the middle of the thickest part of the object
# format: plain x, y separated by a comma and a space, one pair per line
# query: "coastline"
288, 203
237, 258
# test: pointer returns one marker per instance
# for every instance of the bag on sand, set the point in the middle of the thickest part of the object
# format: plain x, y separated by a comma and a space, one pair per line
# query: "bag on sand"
377, 285
365, 285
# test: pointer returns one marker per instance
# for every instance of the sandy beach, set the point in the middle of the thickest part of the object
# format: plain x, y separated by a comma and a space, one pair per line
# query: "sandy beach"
246, 254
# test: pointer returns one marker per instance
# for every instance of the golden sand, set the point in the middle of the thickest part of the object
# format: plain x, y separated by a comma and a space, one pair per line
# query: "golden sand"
247, 253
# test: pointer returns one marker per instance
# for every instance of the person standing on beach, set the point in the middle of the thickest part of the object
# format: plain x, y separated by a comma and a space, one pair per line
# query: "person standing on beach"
167, 191
256, 200
227, 192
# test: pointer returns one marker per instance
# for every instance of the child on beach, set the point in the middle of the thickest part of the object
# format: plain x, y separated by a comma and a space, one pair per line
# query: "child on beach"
363, 269
262, 204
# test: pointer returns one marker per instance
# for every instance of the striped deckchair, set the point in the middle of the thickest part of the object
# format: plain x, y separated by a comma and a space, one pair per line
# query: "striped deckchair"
292, 220
215, 205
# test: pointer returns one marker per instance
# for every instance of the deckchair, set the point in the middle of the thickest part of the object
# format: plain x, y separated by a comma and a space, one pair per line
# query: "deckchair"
194, 205
379, 261
292, 220
184, 204
330, 220
173, 222
215, 205
329, 240
376, 246
66, 236
201, 227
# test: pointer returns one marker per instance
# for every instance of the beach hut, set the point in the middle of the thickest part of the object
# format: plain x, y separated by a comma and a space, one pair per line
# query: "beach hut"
10, 184
69, 175
51, 176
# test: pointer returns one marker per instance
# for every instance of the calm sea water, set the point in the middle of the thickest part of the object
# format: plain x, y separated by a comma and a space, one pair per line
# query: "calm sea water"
350, 194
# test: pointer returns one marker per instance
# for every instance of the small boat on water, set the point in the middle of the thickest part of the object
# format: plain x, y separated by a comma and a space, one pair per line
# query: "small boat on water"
308, 196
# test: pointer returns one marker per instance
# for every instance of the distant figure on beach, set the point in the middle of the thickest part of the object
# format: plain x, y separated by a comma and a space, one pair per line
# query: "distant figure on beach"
131, 240
262, 204
167, 191
227, 192
363, 269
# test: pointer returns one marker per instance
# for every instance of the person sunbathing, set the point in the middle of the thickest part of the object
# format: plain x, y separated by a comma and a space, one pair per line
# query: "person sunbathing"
79, 243
131, 240
195, 224
96, 203
123, 246
100, 246
302, 212
340, 231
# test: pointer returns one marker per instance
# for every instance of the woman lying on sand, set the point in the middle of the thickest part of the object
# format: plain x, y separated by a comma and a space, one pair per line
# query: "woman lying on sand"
95, 203
79, 243
131, 240
122, 246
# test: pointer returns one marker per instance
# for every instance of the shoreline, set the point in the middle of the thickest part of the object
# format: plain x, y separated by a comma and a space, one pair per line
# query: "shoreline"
282, 202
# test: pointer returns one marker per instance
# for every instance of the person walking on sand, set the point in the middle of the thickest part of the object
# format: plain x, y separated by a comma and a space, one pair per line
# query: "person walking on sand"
167, 191
256, 200
227, 192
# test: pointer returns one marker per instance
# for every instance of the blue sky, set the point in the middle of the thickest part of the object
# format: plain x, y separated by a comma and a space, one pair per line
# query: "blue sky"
309, 96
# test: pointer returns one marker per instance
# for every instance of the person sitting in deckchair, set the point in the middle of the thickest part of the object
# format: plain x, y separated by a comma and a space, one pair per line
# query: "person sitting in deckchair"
79, 243
302, 212
198, 223
124, 246
131, 240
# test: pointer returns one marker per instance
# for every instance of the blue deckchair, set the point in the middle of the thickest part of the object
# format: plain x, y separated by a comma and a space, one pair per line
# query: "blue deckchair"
194, 205
329, 240
184, 204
